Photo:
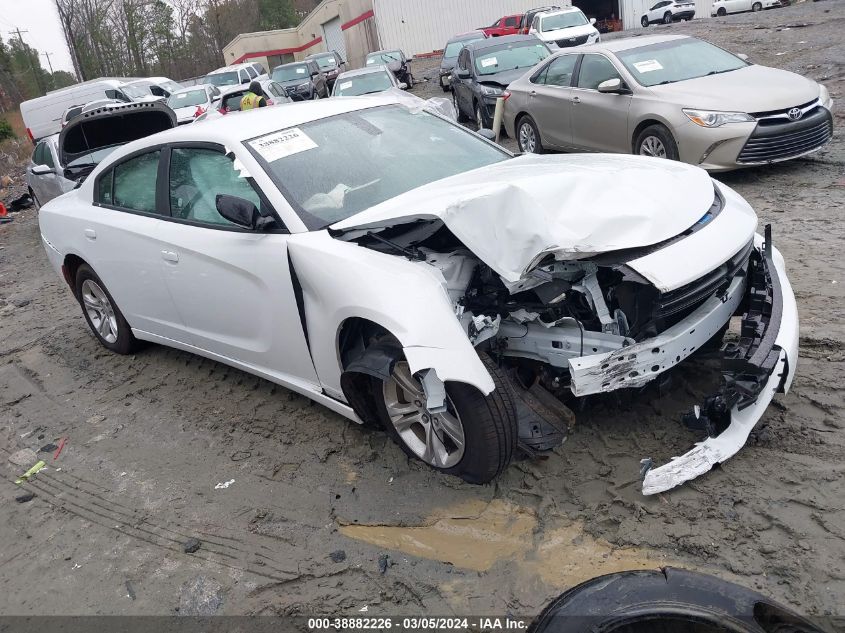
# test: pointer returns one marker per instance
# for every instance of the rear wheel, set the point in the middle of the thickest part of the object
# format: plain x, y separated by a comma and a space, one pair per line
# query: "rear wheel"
667, 18
473, 439
644, 21
528, 137
656, 141
102, 314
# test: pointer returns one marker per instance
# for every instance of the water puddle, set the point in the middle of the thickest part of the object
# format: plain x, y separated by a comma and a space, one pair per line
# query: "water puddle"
476, 535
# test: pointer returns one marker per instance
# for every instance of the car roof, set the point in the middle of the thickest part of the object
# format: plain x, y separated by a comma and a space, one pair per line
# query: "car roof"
386, 50
190, 89
366, 70
467, 36
545, 14
299, 63
628, 43
492, 42
323, 54
227, 69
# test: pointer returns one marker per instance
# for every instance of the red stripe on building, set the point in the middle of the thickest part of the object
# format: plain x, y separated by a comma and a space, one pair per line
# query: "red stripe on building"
278, 51
358, 20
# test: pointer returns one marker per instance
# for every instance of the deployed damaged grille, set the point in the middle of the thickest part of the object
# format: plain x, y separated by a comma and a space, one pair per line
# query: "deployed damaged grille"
698, 291
572, 41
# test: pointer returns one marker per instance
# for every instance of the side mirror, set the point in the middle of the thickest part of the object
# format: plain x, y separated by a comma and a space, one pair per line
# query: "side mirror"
42, 170
237, 210
403, 85
592, 20
490, 135
742, 56
462, 73
611, 86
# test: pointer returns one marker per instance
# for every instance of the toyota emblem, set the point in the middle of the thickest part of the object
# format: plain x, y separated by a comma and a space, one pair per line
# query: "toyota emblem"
794, 114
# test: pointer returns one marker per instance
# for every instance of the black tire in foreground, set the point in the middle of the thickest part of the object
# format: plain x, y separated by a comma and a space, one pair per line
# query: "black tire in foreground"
666, 601
489, 426
102, 314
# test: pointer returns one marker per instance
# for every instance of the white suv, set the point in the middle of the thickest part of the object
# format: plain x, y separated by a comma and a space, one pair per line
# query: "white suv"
723, 7
668, 11
565, 28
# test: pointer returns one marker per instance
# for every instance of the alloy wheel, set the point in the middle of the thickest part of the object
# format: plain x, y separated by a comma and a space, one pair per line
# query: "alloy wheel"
479, 118
652, 146
527, 138
100, 311
436, 438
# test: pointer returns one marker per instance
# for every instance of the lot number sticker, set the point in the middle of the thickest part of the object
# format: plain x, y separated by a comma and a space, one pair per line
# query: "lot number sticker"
345, 85
648, 66
490, 61
300, 71
281, 144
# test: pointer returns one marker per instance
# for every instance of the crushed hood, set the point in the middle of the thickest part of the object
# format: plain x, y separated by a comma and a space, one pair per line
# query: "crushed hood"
515, 213
113, 125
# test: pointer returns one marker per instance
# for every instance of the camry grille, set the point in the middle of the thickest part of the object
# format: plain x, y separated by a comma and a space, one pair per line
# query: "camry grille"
778, 139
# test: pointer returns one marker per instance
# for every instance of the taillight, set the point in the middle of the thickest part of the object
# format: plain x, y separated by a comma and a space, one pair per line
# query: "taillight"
506, 95
223, 110
29, 134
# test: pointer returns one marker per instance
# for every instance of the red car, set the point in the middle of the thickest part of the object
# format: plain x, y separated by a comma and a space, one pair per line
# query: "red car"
508, 25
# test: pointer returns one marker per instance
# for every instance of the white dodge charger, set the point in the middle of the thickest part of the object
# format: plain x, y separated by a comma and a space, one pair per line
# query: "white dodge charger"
404, 271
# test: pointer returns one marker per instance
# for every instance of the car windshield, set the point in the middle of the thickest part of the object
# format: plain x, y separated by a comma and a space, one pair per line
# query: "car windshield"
677, 60
290, 73
453, 48
562, 21
363, 84
521, 55
223, 79
384, 58
137, 91
328, 62
185, 99
170, 86
333, 168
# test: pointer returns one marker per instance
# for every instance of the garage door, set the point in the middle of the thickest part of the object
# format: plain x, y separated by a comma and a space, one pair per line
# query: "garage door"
333, 37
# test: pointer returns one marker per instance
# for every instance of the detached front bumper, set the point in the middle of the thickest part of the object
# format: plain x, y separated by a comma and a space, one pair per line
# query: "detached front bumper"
761, 364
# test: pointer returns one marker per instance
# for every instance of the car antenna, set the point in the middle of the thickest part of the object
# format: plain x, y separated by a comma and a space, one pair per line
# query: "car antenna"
412, 254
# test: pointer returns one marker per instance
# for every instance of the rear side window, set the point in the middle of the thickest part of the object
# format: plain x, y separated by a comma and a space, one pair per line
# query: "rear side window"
135, 183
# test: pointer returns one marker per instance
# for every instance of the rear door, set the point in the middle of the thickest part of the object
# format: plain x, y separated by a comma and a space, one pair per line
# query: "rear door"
599, 120
232, 286
550, 101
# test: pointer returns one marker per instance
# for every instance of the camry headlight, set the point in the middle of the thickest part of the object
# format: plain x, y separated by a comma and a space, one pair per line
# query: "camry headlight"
708, 118
491, 91
824, 97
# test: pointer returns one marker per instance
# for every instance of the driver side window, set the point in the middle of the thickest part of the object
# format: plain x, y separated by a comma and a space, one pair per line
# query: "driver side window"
595, 69
197, 175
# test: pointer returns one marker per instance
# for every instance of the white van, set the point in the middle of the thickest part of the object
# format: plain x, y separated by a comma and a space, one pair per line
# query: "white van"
43, 116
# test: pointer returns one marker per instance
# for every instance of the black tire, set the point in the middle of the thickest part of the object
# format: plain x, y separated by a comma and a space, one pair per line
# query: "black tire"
667, 18
446, 88
666, 601
665, 137
527, 120
462, 118
645, 21
756, 7
125, 343
489, 425
721, 12
479, 116
35, 201
410, 81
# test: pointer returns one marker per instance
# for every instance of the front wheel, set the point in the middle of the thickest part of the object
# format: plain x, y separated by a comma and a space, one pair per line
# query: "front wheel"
756, 7
102, 314
480, 119
721, 12
462, 118
644, 21
473, 439
656, 141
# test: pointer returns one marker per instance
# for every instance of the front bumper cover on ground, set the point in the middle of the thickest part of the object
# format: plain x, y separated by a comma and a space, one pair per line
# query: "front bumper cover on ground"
761, 364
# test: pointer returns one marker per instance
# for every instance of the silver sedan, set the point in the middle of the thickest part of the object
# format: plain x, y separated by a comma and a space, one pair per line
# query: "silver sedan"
671, 97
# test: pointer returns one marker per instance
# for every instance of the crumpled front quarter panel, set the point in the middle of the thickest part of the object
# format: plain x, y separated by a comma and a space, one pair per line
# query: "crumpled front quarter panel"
341, 280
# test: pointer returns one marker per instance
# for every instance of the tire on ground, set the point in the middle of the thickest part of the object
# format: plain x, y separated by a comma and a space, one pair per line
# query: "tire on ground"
489, 424
665, 136
126, 343
525, 118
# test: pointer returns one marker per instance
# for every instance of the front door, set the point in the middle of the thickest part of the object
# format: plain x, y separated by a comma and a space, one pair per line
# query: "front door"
463, 85
232, 286
599, 120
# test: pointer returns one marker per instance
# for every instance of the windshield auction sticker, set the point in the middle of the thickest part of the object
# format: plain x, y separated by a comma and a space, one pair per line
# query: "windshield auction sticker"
648, 66
284, 143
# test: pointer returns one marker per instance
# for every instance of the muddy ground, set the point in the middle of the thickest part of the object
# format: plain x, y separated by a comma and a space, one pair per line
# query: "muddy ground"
300, 511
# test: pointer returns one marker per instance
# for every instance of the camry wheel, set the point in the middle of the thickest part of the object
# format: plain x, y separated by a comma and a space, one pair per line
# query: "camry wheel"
667, 19
656, 141
644, 21
102, 314
528, 137
473, 439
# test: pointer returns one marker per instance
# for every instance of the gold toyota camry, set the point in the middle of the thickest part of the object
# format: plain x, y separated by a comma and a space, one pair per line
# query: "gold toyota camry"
668, 96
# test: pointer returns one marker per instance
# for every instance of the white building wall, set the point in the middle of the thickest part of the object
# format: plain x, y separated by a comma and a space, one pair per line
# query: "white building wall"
422, 26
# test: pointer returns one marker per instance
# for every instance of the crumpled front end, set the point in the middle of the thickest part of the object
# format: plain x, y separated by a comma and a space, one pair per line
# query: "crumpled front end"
761, 364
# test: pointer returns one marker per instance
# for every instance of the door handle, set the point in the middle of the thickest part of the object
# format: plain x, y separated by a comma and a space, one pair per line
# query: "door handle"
91, 234
170, 256
533, 93
576, 99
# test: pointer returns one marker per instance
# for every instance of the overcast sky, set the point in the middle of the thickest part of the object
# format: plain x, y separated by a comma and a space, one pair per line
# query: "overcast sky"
40, 18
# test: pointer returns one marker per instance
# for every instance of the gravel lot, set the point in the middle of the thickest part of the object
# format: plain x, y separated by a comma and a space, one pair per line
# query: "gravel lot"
322, 516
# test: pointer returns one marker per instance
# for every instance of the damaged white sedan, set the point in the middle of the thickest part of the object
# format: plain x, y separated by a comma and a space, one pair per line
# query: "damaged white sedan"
406, 272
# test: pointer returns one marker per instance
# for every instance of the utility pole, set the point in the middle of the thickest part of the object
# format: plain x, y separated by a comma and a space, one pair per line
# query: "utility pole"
24, 50
49, 63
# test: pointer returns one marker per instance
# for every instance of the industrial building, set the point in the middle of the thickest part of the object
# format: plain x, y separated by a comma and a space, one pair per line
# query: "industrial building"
354, 28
